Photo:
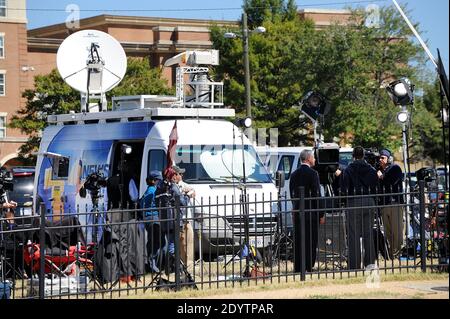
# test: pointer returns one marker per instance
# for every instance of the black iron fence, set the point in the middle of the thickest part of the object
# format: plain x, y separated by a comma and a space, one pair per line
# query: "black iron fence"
95, 253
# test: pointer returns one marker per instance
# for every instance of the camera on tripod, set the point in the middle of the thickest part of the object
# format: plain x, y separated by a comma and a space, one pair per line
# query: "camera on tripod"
93, 183
327, 161
427, 174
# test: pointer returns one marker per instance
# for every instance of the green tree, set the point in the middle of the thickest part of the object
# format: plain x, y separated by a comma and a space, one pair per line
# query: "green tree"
369, 58
262, 11
51, 95
426, 135
348, 63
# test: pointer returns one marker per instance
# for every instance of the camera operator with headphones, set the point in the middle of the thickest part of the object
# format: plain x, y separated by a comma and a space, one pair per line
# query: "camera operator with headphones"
390, 176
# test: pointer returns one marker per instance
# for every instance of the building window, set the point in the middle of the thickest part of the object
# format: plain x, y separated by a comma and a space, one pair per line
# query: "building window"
2, 45
2, 84
2, 125
2, 8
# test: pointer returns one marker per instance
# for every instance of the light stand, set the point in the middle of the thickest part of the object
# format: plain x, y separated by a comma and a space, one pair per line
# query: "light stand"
443, 79
401, 93
124, 149
244, 209
314, 105
244, 123
444, 120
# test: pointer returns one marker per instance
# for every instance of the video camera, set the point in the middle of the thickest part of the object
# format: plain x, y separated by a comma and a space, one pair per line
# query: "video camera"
372, 157
327, 161
427, 174
6, 183
93, 183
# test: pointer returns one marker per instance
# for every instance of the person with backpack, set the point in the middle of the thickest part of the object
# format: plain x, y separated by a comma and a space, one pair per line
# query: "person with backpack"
155, 236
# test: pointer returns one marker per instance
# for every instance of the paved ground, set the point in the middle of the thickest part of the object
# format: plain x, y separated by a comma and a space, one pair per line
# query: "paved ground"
386, 290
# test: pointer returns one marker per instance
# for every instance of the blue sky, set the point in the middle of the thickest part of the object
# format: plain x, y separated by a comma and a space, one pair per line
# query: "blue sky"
432, 15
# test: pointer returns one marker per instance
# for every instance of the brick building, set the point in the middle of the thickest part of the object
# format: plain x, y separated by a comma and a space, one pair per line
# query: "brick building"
13, 77
26, 54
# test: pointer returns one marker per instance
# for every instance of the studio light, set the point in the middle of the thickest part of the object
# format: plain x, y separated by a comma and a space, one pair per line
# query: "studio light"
444, 115
402, 117
126, 149
314, 104
244, 122
401, 92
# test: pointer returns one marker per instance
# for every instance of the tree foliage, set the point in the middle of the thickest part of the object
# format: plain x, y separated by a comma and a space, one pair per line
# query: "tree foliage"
426, 134
349, 63
263, 11
51, 95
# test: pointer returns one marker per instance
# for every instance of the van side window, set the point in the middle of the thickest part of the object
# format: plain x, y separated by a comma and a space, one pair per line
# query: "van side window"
286, 165
60, 168
156, 160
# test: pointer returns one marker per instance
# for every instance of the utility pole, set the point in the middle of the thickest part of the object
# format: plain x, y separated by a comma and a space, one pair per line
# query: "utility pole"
248, 106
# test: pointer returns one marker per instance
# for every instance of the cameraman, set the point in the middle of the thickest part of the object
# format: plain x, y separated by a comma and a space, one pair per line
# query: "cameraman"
391, 178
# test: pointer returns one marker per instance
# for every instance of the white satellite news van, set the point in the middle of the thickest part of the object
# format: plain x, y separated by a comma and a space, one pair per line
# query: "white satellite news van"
209, 147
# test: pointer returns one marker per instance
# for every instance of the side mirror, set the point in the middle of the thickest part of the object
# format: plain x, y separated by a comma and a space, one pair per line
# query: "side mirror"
279, 179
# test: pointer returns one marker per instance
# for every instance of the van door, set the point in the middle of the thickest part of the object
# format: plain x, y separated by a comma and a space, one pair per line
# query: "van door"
126, 163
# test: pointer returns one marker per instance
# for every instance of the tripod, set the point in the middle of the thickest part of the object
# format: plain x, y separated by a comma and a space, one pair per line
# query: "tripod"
95, 214
282, 240
158, 277
246, 243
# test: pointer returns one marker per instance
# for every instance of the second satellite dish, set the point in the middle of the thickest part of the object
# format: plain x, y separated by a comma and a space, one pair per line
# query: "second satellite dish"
91, 61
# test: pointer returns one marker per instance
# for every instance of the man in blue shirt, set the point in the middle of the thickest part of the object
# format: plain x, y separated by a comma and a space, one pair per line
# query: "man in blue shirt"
155, 237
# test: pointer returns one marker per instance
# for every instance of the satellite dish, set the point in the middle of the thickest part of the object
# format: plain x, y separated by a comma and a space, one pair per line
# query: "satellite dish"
91, 61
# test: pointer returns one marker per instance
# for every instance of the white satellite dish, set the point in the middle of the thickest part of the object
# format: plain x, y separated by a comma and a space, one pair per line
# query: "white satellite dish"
92, 62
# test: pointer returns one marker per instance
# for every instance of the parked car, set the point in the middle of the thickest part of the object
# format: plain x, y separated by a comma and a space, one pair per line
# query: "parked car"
22, 193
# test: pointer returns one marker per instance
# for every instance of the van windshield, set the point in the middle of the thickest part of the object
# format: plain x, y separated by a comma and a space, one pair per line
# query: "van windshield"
220, 164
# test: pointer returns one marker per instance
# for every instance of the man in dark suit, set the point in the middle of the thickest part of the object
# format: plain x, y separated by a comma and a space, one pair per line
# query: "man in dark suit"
358, 181
308, 178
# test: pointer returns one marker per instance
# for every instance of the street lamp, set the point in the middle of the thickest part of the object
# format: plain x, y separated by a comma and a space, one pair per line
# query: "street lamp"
245, 34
